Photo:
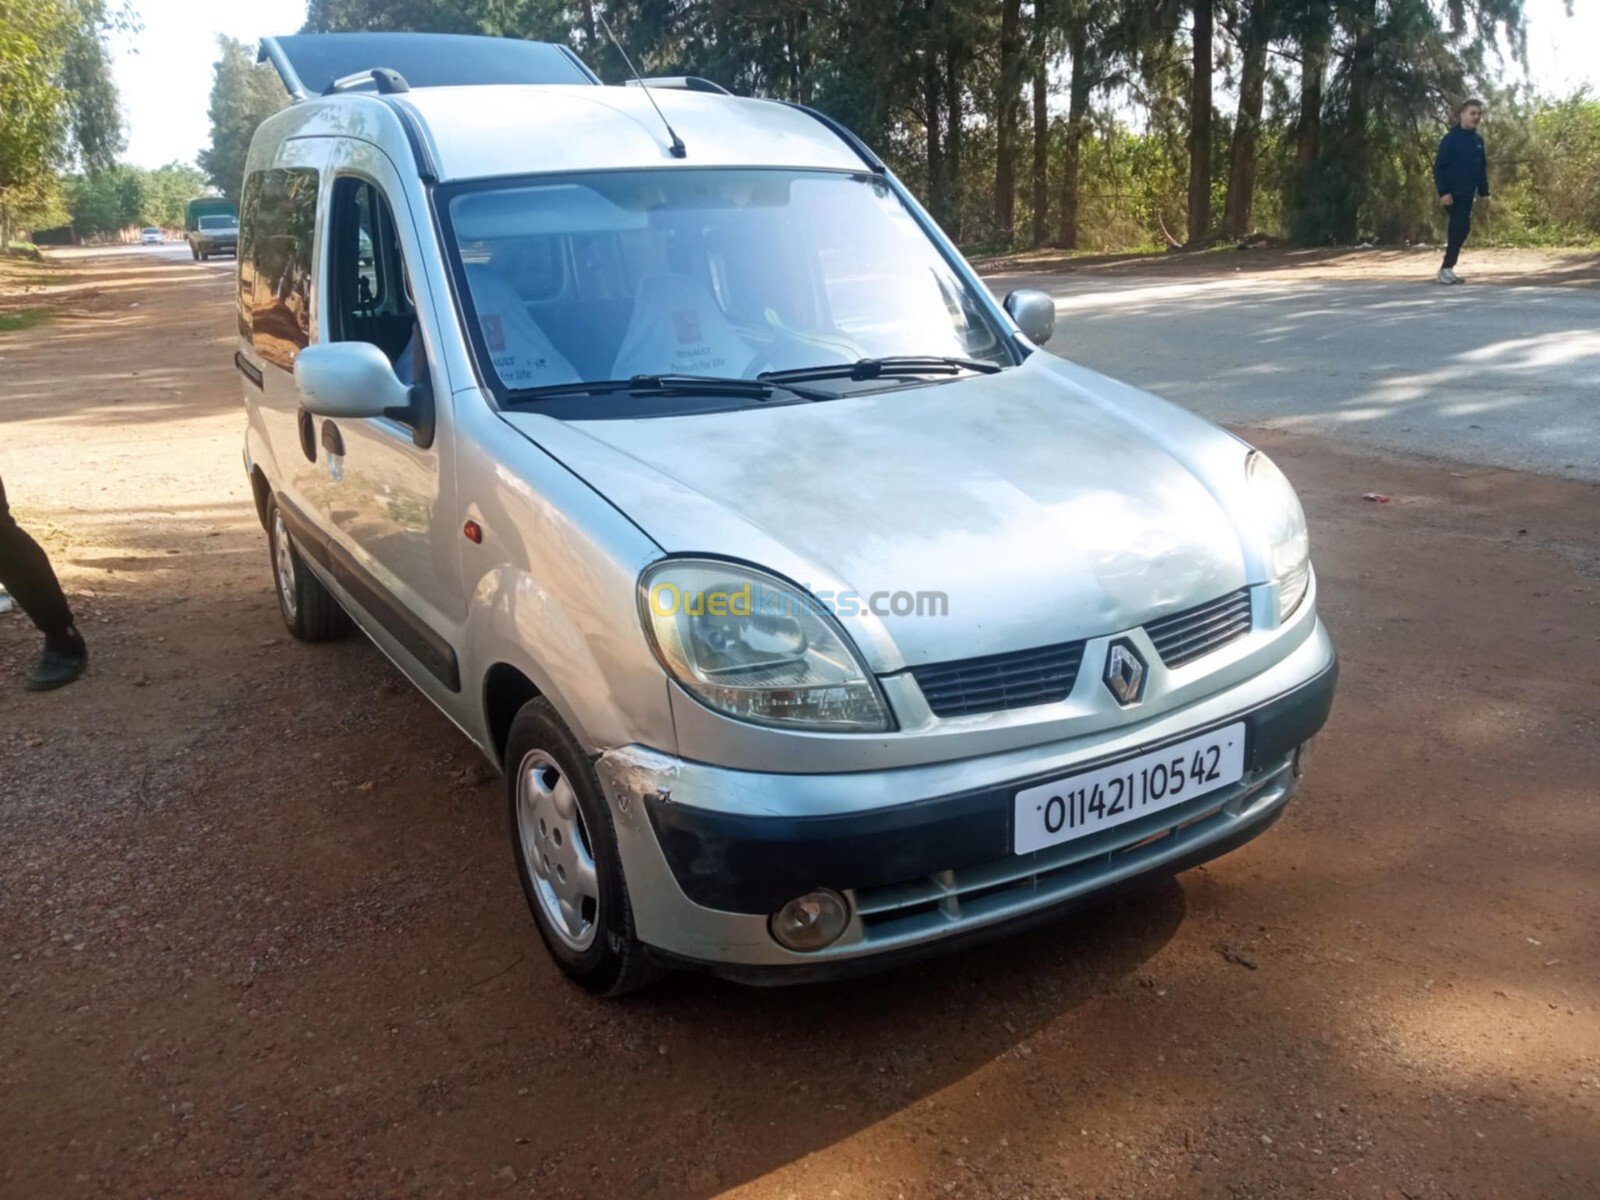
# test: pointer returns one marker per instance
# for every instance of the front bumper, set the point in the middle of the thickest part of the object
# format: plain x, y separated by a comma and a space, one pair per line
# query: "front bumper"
924, 854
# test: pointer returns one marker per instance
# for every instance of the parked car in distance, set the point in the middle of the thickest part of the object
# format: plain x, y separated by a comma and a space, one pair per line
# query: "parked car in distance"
151, 236
816, 618
214, 235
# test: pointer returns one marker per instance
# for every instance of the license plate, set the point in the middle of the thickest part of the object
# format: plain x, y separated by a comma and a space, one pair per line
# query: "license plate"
1051, 813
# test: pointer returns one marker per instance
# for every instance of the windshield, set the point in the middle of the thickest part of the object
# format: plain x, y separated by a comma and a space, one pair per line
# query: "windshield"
728, 273
218, 222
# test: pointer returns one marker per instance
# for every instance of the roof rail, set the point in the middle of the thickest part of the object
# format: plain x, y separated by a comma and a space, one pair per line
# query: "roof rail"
272, 52
682, 83
386, 81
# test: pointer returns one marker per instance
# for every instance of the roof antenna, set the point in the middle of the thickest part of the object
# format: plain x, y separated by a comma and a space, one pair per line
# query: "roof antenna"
679, 150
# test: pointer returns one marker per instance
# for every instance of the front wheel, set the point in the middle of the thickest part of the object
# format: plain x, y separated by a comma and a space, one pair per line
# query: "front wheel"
308, 609
566, 852
194, 252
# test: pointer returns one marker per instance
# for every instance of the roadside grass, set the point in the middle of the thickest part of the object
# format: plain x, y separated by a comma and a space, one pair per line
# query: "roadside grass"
25, 250
22, 318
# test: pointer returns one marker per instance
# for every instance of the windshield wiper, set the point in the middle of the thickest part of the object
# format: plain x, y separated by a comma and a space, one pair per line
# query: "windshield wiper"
652, 385
880, 368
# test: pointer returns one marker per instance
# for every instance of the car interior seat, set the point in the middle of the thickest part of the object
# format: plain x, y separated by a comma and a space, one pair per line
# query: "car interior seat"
523, 356
678, 327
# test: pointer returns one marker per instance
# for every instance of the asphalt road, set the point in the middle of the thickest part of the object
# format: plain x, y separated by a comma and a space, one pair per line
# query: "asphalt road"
1499, 376
167, 251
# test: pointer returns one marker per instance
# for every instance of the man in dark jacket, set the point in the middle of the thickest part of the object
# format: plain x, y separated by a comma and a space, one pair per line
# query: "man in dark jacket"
25, 573
1461, 173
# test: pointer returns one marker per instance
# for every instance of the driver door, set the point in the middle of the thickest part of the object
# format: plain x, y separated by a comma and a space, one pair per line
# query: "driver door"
387, 500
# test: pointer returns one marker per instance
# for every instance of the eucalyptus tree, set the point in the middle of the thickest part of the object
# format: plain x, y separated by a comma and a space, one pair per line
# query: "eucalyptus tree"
58, 102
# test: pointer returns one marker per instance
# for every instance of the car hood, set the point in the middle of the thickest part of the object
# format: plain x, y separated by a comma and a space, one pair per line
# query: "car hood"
1044, 504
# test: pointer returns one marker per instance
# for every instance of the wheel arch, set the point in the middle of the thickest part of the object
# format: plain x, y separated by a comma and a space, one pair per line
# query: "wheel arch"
262, 491
505, 690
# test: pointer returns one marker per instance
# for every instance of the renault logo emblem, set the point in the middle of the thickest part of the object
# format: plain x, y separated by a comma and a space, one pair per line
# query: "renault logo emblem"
1125, 672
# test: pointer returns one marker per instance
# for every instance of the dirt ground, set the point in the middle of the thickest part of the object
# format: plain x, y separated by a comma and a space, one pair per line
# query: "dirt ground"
262, 936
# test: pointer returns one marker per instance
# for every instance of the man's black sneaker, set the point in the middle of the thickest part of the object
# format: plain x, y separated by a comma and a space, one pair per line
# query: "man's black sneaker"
62, 662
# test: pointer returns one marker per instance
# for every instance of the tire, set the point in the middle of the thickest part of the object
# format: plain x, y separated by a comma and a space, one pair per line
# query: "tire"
558, 812
205, 256
308, 609
194, 252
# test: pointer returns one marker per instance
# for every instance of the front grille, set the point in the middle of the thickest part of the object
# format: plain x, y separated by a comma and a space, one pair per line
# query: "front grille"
1000, 681
1184, 637
937, 904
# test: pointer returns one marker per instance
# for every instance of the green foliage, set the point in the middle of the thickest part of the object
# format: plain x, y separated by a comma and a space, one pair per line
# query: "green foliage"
58, 105
106, 201
124, 197
166, 191
243, 95
1357, 93
22, 318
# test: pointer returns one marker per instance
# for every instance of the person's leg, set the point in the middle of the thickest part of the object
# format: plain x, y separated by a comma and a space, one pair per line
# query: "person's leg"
25, 573
1460, 226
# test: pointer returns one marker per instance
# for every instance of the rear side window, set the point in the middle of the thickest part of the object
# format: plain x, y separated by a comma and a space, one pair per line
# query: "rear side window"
280, 248
248, 202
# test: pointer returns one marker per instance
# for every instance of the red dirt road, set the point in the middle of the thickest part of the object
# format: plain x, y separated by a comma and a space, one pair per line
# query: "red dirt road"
261, 933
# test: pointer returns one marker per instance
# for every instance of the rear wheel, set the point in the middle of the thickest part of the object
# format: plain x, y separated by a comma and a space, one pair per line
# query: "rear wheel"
566, 851
194, 252
308, 609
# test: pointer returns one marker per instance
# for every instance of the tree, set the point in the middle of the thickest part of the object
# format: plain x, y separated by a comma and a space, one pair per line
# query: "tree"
1200, 124
1008, 86
1253, 35
1039, 53
243, 94
166, 193
57, 102
106, 201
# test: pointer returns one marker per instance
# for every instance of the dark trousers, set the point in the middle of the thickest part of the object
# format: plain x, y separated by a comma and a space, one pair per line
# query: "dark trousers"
1460, 211
25, 573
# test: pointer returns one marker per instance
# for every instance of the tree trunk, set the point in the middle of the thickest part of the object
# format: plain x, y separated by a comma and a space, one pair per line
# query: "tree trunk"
591, 32
1005, 115
1200, 127
932, 87
1041, 144
1247, 126
1313, 69
954, 112
1079, 91
1352, 164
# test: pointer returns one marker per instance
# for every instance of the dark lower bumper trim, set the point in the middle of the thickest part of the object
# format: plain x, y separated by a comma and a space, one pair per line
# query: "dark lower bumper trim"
829, 970
754, 864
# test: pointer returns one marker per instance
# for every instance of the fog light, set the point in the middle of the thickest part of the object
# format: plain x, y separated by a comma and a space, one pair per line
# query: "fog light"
811, 922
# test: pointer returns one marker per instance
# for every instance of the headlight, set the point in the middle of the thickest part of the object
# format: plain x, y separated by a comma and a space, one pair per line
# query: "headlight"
1283, 522
754, 647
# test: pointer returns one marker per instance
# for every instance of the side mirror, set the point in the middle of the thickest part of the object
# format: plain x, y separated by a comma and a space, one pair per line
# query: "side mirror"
348, 379
1034, 312
353, 380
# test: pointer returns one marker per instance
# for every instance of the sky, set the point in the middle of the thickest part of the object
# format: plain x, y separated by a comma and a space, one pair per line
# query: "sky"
164, 72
